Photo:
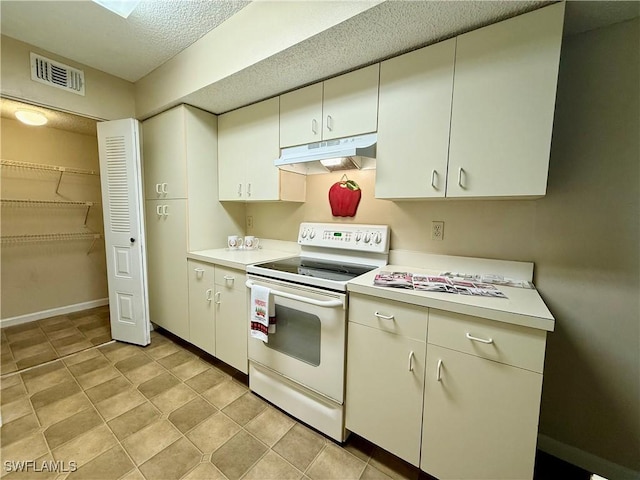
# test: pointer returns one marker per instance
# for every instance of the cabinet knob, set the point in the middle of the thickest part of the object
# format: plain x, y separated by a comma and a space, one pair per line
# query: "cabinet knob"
132, 240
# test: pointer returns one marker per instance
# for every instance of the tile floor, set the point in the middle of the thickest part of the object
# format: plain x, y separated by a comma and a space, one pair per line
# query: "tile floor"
165, 411
35, 343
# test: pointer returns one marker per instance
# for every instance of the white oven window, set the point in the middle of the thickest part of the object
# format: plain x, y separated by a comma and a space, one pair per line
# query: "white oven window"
297, 335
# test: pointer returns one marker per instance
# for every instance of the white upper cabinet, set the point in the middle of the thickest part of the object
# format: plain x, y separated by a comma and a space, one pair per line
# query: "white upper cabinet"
350, 103
165, 168
413, 123
503, 104
247, 148
301, 116
339, 107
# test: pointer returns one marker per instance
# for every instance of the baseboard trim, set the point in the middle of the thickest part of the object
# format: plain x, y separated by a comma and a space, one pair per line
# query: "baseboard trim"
588, 461
32, 317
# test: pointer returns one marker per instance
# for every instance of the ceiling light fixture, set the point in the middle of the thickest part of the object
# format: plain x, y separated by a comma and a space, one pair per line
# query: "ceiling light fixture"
31, 117
120, 7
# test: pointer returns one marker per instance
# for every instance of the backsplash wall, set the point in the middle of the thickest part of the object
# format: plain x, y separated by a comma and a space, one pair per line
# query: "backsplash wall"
490, 229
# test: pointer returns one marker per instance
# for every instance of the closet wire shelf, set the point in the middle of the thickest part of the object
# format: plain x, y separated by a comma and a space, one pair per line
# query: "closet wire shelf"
52, 237
50, 168
45, 203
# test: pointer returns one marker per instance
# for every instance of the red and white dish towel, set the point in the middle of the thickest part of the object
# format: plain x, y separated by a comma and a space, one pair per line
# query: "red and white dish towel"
263, 313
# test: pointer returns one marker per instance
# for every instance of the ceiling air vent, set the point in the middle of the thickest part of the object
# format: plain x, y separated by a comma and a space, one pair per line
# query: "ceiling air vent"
57, 74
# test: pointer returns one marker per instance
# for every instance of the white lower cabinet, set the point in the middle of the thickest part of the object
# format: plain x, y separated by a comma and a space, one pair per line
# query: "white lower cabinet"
232, 324
385, 374
480, 417
202, 328
218, 315
463, 405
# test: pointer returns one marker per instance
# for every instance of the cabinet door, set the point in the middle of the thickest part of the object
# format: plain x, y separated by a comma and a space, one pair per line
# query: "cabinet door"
413, 123
480, 417
232, 327
167, 265
163, 152
350, 103
232, 140
385, 374
247, 147
263, 129
301, 116
202, 331
503, 105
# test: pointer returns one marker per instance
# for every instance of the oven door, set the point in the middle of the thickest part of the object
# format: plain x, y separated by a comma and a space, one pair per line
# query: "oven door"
308, 346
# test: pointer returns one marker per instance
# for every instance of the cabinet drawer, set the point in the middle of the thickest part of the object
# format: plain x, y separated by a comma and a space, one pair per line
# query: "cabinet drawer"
509, 344
388, 315
230, 278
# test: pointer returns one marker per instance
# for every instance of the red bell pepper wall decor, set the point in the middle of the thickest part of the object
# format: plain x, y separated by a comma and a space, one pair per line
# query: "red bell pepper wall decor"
344, 197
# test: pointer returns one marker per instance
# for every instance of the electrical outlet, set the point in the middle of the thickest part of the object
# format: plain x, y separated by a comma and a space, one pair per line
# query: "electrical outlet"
437, 230
249, 222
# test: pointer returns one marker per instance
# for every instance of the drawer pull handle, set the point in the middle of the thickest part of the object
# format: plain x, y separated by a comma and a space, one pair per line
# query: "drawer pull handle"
439, 371
411, 361
229, 278
384, 317
481, 340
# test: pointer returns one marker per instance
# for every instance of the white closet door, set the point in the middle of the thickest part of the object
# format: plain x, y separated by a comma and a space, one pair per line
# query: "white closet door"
120, 175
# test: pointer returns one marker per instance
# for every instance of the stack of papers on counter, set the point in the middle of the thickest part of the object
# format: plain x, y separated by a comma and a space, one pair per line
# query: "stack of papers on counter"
431, 283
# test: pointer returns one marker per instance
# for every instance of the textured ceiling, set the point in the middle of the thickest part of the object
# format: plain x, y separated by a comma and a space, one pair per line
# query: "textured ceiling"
383, 31
127, 48
157, 30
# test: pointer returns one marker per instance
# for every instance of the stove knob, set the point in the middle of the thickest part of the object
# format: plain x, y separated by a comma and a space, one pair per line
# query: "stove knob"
304, 233
358, 236
312, 234
377, 238
367, 237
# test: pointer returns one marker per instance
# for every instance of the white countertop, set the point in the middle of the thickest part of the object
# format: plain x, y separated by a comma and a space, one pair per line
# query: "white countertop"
522, 307
239, 258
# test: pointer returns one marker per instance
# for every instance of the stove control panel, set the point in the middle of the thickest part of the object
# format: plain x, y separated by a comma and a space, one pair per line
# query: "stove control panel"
365, 238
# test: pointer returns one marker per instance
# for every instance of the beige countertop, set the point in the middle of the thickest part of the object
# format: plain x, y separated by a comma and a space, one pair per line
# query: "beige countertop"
239, 258
521, 307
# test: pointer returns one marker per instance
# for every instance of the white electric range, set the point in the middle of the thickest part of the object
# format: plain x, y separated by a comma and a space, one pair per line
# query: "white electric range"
301, 367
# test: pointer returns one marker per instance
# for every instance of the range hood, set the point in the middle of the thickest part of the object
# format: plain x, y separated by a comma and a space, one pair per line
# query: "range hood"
330, 155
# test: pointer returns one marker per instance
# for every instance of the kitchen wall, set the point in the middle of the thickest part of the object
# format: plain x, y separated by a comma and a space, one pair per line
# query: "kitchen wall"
583, 238
106, 97
39, 276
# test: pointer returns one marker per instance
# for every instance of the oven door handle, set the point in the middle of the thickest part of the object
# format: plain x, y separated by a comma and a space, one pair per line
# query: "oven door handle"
312, 301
